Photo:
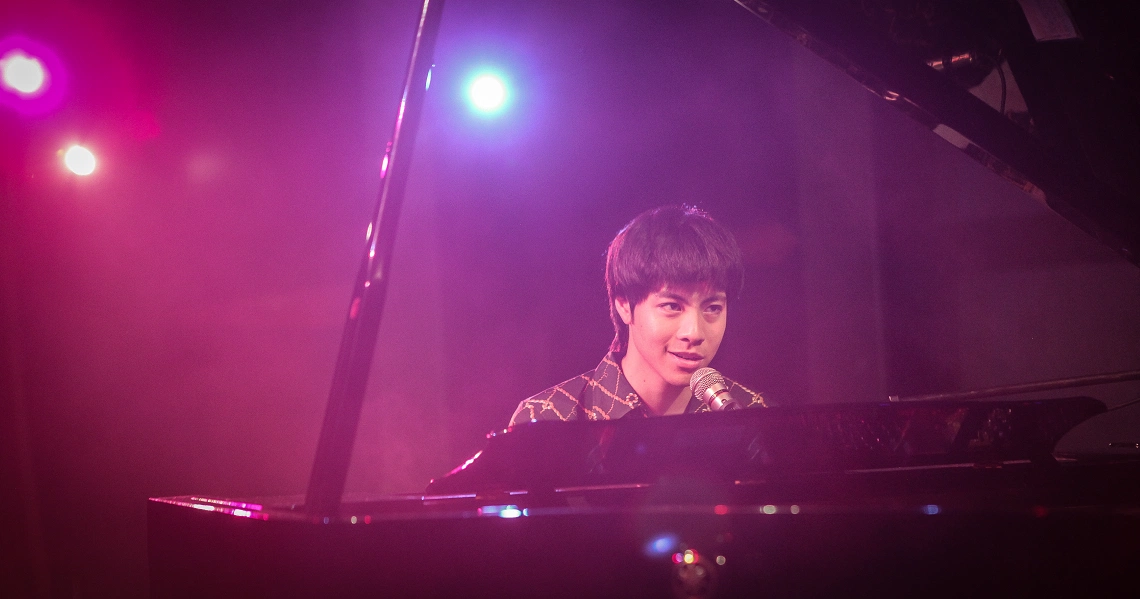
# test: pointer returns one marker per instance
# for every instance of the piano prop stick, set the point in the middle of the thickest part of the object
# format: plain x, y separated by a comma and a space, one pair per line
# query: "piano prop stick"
342, 413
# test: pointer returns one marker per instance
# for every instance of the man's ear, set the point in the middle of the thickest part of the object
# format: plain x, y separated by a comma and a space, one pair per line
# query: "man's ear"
624, 310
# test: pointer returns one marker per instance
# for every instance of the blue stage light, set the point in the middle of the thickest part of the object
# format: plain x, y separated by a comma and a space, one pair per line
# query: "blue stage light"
487, 94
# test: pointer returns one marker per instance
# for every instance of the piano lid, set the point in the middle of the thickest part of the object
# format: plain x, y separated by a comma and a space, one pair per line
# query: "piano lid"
1042, 95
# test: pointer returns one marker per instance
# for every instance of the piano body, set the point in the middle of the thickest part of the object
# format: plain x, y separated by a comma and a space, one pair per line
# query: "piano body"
886, 500
898, 499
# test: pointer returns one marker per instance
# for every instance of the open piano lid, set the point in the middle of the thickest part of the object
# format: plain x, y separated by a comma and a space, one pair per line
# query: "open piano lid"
1042, 92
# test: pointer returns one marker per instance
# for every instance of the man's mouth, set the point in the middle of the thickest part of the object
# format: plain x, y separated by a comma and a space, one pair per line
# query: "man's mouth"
688, 356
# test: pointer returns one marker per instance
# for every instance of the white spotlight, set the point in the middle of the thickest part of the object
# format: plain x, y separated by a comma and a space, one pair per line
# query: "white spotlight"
79, 160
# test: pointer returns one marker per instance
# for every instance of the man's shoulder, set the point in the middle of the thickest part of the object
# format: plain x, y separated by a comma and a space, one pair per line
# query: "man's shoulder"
560, 402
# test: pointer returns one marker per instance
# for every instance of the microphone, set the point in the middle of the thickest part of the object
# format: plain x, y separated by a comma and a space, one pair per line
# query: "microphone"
708, 385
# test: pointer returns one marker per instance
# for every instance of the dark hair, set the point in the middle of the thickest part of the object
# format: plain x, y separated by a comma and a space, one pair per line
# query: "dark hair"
675, 246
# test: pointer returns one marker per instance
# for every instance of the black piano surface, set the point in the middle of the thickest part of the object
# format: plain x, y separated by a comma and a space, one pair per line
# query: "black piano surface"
883, 500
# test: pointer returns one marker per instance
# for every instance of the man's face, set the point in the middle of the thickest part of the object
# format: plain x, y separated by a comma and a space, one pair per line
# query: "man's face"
674, 331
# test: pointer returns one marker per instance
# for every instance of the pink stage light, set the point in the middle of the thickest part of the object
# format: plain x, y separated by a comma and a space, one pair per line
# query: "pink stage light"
21, 73
32, 78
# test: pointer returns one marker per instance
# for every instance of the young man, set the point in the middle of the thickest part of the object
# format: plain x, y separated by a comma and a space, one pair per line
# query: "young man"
669, 273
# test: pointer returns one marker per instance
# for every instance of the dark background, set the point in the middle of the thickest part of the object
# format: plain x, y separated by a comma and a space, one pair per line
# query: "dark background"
170, 323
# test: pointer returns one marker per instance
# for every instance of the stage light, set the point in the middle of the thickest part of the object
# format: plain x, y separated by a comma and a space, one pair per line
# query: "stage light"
32, 78
487, 93
22, 73
79, 160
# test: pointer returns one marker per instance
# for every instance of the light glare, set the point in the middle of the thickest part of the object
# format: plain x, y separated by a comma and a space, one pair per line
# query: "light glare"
22, 73
79, 160
661, 545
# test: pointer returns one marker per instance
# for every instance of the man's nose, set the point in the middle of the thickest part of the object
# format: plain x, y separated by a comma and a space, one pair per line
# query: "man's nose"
691, 328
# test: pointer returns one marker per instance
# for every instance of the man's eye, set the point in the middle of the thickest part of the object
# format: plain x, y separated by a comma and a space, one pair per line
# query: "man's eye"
671, 306
715, 309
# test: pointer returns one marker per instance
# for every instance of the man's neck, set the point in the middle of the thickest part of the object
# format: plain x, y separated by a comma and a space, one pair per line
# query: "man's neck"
658, 396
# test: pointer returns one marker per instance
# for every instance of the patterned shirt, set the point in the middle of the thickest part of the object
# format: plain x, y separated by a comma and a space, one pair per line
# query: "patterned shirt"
605, 394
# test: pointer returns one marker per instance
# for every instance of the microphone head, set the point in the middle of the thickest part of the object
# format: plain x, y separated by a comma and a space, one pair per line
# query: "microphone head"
704, 378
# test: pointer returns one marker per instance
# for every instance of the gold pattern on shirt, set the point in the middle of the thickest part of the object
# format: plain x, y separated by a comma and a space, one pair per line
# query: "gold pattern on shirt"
564, 401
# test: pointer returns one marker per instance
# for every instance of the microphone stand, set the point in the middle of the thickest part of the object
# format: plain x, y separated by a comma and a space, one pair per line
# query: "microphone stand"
354, 359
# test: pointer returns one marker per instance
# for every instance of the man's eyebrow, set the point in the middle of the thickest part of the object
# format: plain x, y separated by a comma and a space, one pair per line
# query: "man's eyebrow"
719, 296
671, 295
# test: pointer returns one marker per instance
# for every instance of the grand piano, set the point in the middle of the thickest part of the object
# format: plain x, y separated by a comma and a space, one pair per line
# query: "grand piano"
937, 498
952, 495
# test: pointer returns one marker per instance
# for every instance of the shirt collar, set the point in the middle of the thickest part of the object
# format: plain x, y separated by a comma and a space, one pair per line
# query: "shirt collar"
610, 393
611, 396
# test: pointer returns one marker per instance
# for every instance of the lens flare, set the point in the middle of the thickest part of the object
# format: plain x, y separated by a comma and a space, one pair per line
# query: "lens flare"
79, 160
